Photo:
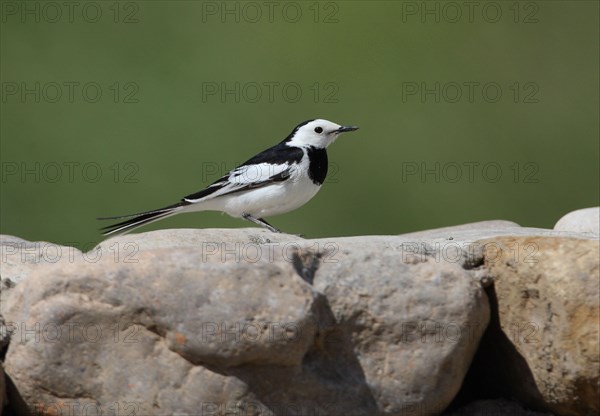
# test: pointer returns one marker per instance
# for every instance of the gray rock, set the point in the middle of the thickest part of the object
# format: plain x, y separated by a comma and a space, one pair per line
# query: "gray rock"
487, 230
20, 257
235, 322
130, 244
585, 220
250, 322
157, 330
414, 327
494, 225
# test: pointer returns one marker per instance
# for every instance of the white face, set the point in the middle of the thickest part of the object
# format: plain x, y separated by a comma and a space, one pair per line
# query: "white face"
318, 133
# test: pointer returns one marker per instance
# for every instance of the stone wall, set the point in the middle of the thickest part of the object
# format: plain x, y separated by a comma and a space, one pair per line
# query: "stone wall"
484, 318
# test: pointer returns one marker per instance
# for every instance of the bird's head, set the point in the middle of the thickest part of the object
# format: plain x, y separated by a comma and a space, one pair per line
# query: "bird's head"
318, 133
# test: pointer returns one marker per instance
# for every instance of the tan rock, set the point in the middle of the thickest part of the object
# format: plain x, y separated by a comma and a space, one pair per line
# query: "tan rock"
548, 299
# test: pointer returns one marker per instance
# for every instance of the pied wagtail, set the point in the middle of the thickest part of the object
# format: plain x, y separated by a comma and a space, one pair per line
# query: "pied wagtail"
278, 180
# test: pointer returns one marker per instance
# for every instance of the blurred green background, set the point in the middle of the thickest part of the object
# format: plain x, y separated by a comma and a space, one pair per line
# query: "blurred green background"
189, 89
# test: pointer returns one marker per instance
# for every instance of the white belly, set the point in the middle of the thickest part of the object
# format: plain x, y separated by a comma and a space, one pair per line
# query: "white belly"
274, 199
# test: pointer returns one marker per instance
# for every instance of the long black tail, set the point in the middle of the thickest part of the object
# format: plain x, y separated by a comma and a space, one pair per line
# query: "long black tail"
137, 220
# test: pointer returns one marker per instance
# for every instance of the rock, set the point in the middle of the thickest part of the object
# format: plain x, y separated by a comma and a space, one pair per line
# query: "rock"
205, 239
585, 220
547, 294
157, 329
493, 225
20, 257
413, 327
233, 325
486, 230
249, 322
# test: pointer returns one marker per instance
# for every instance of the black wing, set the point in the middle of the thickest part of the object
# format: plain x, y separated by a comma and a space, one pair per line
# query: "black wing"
272, 165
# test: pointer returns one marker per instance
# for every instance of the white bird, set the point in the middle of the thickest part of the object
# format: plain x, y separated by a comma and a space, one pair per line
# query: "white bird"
275, 181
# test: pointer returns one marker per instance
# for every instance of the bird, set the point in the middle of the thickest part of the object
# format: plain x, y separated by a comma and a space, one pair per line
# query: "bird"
275, 181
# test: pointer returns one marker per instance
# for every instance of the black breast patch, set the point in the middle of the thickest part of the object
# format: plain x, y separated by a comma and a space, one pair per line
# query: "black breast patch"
317, 170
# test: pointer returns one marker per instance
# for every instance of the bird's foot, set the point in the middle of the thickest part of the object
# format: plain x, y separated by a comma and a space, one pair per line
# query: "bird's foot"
261, 222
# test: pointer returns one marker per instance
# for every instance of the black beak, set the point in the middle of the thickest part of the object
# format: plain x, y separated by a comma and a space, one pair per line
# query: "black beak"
346, 128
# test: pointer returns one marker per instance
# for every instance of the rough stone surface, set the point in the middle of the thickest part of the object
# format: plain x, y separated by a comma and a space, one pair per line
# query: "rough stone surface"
244, 331
20, 257
250, 322
494, 225
204, 239
158, 329
489, 229
585, 220
414, 327
547, 293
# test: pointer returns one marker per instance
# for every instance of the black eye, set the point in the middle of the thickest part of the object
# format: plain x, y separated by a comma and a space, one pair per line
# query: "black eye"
318, 129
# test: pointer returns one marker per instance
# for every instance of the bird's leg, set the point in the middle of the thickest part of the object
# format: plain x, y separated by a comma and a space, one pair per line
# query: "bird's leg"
269, 226
261, 222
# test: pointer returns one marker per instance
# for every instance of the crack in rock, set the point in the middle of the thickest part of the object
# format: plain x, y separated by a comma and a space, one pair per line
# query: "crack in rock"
306, 264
